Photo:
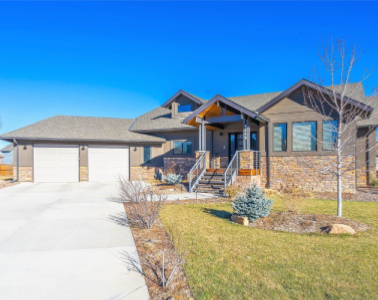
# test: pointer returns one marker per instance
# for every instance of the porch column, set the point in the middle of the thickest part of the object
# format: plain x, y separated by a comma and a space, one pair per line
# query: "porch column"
200, 137
203, 135
246, 134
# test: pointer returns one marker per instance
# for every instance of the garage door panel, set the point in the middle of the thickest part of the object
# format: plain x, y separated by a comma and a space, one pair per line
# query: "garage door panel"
107, 163
56, 163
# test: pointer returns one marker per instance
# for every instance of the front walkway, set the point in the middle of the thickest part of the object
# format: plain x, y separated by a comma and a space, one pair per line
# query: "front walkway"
64, 241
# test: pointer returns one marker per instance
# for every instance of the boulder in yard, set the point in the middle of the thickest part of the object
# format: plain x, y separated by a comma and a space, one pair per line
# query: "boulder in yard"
240, 220
339, 229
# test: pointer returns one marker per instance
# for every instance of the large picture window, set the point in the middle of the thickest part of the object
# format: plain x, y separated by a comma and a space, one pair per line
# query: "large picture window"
329, 135
304, 136
280, 137
182, 147
146, 154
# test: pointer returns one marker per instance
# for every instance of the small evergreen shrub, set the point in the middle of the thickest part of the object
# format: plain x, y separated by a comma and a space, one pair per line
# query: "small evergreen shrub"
173, 179
374, 182
252, 203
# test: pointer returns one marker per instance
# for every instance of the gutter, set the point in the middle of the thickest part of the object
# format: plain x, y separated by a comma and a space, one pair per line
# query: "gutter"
18, 161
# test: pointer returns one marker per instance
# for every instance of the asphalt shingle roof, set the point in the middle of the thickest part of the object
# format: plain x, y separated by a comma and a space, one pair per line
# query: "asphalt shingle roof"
82, 129
157, 119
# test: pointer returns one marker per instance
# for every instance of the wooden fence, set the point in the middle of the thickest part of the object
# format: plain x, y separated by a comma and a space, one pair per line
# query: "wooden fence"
6, 170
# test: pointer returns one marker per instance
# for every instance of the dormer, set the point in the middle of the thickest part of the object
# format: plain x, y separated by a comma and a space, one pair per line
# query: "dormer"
182, 104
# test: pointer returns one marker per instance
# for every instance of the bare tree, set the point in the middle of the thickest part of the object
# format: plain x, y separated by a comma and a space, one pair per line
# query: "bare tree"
340, 111
144, 202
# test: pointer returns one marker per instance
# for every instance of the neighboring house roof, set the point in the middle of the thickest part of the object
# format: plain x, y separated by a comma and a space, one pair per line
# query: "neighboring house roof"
82, 129
159, 119
7, 148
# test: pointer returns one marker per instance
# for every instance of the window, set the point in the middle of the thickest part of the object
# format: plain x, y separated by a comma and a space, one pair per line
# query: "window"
146, 154
184, 108
280, 137
182, 147
254, 141
304, 136
329, 135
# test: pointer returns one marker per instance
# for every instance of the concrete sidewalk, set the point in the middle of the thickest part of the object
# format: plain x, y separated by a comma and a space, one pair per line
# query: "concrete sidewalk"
65, 241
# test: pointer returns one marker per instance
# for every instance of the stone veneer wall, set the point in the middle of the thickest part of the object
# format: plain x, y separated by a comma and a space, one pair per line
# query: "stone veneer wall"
291, 170
180, 165
245, 181
83, 175
145, 173
219, 162
26, 174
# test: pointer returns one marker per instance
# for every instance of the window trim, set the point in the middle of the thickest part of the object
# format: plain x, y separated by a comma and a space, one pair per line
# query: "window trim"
280, 151
327, 150
316, 138
182, 147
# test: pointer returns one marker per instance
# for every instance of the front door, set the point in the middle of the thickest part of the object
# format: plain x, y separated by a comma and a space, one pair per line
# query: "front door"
235, 143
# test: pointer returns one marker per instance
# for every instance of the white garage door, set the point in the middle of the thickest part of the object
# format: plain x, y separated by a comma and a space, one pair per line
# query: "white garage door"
107, 163
56, 163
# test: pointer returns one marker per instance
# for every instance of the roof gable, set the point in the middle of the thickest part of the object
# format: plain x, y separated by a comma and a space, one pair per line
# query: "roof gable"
315, 86
192, 97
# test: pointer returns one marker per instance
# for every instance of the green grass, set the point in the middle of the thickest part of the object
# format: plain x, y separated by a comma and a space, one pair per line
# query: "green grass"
229, 261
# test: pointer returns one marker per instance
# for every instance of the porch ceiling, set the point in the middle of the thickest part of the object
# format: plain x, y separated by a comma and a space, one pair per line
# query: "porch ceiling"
214, 110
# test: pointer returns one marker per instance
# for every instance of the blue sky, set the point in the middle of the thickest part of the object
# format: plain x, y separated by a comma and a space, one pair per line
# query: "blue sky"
121, 59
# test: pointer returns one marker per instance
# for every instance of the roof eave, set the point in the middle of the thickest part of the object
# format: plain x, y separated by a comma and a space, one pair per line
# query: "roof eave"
10, 138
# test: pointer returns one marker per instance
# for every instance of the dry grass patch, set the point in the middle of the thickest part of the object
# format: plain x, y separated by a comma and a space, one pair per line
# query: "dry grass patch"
230, 261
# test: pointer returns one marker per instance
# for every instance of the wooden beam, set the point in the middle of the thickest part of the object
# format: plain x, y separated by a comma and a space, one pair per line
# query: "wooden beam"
224, 119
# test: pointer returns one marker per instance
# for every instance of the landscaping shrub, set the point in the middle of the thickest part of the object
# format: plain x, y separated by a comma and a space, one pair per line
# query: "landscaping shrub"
293, 196
144, 202
173, 179
374, 182
232, 191
252, 203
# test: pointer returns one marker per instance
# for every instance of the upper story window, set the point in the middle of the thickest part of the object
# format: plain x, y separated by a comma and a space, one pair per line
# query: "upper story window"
182, 147
280, 137
329, 135
304, 136
146, 154
184, 108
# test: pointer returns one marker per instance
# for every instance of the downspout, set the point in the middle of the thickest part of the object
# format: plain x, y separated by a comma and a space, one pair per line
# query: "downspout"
18, 160
268, 153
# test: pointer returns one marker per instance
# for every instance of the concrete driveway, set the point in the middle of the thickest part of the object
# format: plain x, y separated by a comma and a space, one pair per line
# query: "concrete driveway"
65, 241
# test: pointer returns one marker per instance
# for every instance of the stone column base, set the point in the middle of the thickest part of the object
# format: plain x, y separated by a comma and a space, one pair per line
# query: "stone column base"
26, 174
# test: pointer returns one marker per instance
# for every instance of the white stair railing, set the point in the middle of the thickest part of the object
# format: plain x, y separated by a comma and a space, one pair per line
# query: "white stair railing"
197, 171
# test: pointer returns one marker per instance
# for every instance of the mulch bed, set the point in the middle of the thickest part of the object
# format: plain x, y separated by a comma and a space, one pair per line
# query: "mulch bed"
171, 189
364, 195
149, 243
6, 183
304, 223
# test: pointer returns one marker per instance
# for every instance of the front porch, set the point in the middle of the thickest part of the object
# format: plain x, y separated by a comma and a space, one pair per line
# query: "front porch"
236, 137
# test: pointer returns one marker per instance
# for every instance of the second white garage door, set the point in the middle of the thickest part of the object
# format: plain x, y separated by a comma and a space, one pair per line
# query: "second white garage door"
107, 163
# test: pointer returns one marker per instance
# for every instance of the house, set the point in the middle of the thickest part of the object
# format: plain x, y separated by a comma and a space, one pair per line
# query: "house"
7, 153
197, 138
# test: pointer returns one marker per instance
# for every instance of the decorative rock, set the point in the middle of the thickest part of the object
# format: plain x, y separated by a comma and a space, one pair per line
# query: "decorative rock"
240, 220
339, 229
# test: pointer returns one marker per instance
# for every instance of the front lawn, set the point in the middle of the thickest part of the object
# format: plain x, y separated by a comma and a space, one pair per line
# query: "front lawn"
230, 261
